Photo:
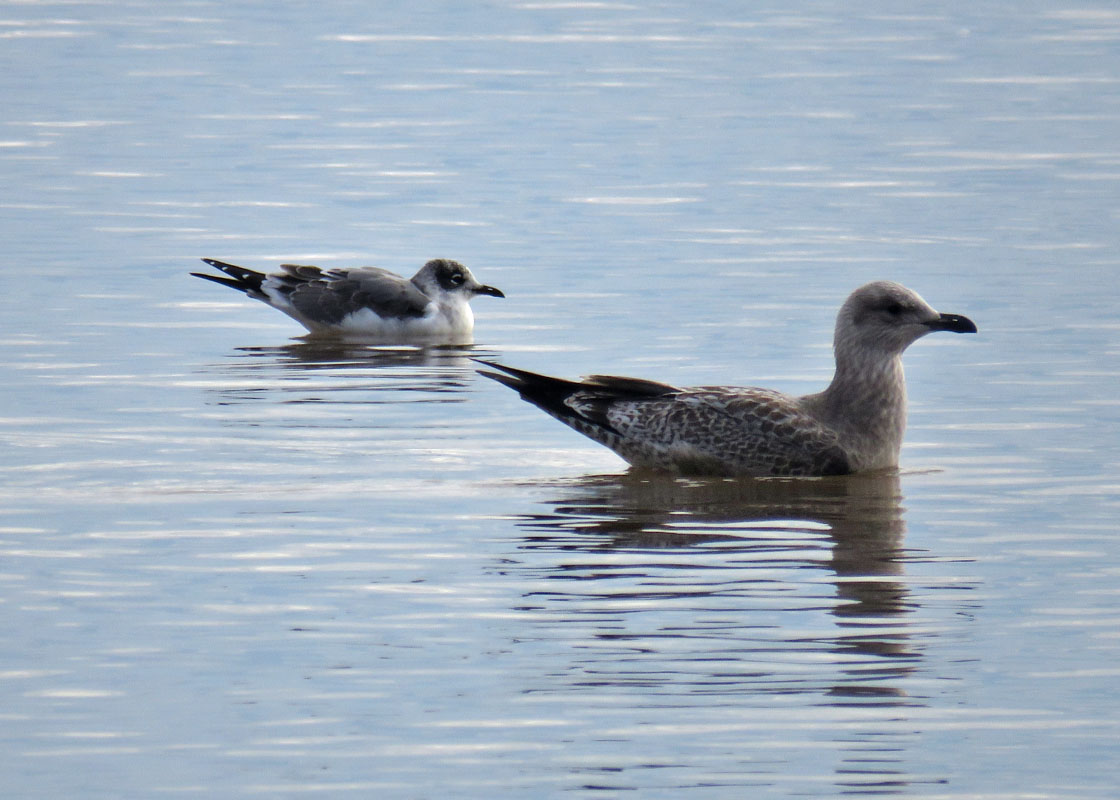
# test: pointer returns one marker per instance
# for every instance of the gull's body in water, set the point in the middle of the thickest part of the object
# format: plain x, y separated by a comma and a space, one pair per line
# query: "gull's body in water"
366, 303
854, 425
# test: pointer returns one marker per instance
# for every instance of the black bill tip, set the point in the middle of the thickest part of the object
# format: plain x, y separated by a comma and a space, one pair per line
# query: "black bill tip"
955, 323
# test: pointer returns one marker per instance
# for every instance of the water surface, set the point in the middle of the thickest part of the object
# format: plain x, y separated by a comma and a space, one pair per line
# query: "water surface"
234, 563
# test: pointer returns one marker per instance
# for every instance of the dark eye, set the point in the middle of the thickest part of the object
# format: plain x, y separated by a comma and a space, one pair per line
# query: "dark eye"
457, 279
894, 309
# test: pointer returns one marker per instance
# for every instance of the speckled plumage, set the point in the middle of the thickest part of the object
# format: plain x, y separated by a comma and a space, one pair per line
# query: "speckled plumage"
365, 302
856, 424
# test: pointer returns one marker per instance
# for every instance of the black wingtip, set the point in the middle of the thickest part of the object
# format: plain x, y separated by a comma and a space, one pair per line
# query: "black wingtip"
505, 380
230, 282
240, 278
523, 380
544, 391
507, 376
514, 371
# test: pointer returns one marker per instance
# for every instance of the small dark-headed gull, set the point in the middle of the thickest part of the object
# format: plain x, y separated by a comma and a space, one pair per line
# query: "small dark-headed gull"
854, 425
366, 302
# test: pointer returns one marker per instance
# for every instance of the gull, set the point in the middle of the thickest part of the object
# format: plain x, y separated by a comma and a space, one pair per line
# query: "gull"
854, 425
366, 302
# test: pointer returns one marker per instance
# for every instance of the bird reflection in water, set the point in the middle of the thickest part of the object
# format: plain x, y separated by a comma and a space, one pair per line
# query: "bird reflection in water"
327, 371
738, 564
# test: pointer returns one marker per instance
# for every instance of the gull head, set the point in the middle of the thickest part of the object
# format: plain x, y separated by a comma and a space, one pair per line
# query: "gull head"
442, 276
884, 318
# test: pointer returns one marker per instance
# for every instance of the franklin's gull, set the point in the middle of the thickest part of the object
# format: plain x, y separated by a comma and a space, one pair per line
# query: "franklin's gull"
366, 302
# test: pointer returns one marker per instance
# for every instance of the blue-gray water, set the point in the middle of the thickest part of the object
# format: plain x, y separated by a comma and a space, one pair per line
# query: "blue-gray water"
233, 564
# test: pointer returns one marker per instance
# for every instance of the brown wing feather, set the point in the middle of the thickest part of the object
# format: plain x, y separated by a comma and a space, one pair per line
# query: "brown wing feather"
711, 430
720, 430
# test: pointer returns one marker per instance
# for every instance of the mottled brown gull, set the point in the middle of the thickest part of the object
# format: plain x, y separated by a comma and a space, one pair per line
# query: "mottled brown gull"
854, 425
366, 302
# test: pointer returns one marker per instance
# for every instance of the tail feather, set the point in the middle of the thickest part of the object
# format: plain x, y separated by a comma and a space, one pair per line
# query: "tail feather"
240, 278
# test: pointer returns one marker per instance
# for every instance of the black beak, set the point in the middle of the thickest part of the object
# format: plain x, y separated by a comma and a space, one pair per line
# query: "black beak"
490, 290
954, 323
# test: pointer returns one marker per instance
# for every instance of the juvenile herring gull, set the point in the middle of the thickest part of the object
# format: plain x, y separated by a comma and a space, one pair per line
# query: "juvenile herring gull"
854, 425
366, 302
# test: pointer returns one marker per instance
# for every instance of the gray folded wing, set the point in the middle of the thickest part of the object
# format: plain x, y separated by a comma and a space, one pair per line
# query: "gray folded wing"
329, 296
